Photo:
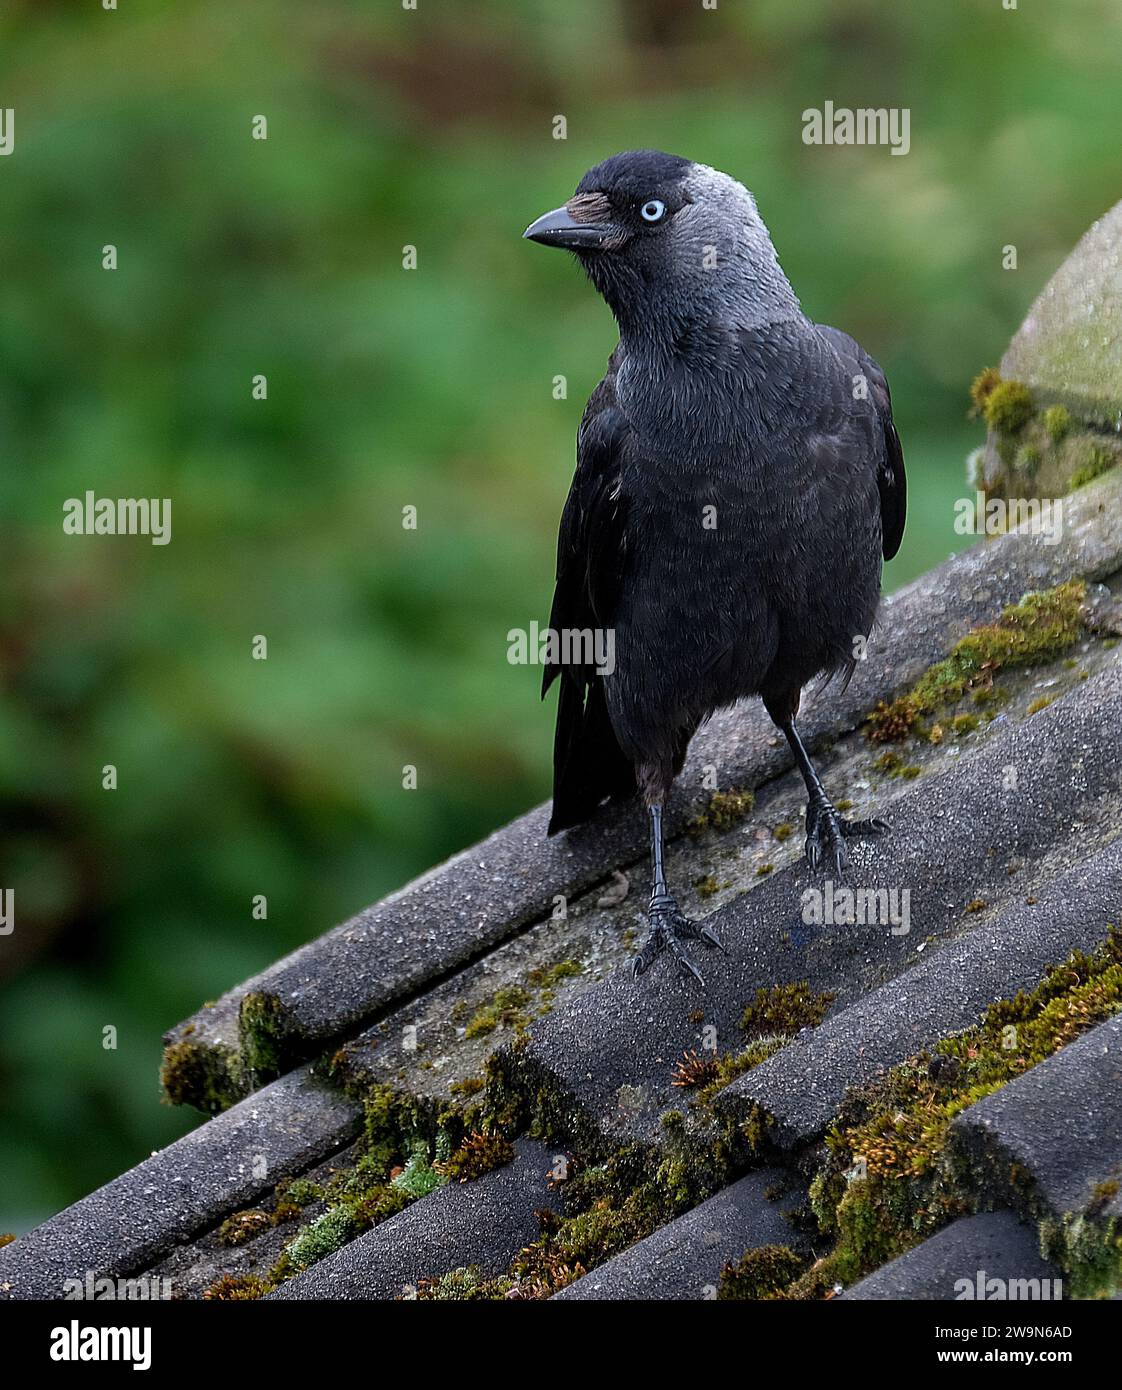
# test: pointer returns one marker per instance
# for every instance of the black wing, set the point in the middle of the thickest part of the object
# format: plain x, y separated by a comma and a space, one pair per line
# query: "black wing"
588, 764
892, 484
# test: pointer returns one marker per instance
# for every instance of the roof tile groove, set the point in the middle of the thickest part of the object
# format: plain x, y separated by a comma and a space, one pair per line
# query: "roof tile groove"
481, 1223
684, 1259
801, 1086
974, 1251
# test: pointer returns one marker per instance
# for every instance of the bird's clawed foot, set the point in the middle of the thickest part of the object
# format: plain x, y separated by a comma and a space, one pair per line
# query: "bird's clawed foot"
827, 832
668, 930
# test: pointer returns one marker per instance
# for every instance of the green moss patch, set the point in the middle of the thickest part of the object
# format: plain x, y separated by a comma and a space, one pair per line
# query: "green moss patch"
1096, 460
706, 886
514, 1006
981, 387
477, 1155
763, 1273
1057, 421
236, 1288
302, 1192
725, 810
420, 1175
1043, 450
508, 1008
467, 1087
1041, 627
243, 1226
328, 1233
263, 1035
209, 1078
548, 977
1007, 406
785, 1009
728, 1066
1089, 1250
893, 765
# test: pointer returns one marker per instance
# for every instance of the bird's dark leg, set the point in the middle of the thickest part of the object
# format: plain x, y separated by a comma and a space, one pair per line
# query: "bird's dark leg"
668, 928
826, 831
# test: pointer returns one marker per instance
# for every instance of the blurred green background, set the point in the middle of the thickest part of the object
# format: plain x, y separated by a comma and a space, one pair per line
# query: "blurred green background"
388, 388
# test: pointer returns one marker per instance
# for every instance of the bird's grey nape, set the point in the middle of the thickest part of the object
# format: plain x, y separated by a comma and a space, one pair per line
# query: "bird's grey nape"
723, 254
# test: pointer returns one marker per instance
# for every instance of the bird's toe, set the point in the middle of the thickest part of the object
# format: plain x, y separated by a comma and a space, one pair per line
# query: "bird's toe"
873, 826
711, 939
825, 844
687, 968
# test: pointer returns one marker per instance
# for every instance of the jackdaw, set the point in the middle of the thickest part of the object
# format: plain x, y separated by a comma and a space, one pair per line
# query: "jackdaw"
738, 479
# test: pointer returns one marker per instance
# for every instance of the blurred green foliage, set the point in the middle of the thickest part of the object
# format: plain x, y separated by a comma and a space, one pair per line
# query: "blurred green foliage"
387, 388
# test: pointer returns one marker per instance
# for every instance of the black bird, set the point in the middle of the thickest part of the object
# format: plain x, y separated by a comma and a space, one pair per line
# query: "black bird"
738, 479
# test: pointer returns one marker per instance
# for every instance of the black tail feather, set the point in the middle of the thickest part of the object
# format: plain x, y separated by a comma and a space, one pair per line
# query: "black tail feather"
588, 763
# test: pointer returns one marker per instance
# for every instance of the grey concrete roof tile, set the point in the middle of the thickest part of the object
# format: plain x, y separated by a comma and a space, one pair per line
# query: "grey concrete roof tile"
1061, 1123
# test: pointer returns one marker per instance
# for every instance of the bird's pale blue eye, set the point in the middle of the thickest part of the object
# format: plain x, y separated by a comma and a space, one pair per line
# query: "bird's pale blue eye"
653, 210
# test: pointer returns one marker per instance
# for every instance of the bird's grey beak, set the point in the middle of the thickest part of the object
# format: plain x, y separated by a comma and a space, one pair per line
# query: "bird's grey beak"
559, 228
